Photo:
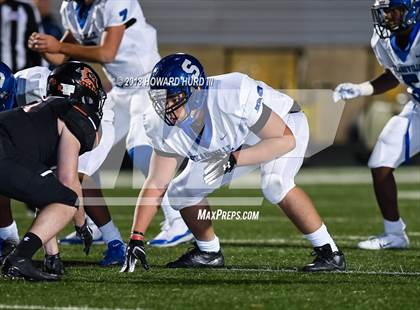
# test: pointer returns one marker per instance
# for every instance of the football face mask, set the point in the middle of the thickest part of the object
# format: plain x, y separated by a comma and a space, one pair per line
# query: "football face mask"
170, 108
393, 16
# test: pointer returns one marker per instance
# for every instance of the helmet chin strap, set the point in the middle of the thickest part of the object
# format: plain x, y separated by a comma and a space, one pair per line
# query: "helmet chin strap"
195, 113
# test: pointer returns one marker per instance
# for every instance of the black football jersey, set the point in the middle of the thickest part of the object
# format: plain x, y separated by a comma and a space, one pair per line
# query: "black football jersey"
34, 134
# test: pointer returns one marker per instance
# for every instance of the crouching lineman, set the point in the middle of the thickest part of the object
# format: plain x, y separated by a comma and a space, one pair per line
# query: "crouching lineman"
226, 129
396, 45
52, 132
17, 91
32, 86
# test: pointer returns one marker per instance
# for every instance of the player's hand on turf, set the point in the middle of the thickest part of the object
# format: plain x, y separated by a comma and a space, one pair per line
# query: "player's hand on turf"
85, 234
218, 166
347, 91
135, 251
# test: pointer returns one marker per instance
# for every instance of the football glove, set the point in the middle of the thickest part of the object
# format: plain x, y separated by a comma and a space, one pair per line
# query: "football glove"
135, 251
85, 234
218, 166
347, 91
53, 264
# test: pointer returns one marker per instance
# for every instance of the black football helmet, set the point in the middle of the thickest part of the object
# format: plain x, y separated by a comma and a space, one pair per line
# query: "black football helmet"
78, 81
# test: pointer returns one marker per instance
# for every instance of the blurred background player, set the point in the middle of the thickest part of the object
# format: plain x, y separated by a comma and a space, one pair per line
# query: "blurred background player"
116, 35
53, 132
49, 24
226, 129
19, 19
396, 44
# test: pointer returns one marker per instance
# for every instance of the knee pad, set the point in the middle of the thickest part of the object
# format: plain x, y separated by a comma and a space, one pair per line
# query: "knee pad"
47, 190
140, 156
275, 187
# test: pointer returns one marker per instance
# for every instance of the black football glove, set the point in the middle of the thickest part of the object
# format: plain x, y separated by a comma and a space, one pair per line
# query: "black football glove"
85, 234
135, 251
53, 264
218, 166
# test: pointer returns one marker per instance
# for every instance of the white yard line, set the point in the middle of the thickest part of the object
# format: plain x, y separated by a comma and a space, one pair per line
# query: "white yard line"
308, 176
35, 307
409, 195
299, 239
360, 272
214, 201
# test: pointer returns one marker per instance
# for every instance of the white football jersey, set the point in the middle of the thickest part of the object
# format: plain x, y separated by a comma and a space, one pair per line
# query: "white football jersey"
138, 51
405, 65
31, 85
235, 103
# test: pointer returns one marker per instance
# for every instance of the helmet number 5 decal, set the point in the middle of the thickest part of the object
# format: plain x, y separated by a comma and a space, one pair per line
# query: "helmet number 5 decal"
2, 79
188, 67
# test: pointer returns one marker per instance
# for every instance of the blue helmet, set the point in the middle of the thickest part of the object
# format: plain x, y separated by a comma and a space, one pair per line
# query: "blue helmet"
410, 12
179, 77
7, 88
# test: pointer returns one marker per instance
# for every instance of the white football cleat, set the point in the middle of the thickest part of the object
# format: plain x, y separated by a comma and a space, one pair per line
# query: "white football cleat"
385, 241
172, 234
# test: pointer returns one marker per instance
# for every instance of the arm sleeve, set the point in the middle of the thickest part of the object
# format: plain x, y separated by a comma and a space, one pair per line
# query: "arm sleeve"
166, 154
260, 123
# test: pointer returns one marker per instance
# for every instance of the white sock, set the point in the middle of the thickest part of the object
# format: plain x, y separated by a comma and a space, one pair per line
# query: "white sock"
110, 232
10, 232
321, 237
394, 227
168, 211
89, 221
209, 246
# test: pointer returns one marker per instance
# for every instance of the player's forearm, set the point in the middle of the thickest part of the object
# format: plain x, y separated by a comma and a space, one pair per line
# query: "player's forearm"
265, 150
55, 59
384, 83
79, 217
147, 205
99, 54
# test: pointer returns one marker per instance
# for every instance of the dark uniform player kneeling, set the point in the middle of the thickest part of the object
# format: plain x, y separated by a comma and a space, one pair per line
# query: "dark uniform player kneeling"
34, 138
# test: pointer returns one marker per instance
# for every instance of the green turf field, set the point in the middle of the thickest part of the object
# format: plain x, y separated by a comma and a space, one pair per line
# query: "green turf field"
262, 258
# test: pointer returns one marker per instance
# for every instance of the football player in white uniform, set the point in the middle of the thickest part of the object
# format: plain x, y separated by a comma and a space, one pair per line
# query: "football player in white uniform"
396, 43
226, 128
115, 34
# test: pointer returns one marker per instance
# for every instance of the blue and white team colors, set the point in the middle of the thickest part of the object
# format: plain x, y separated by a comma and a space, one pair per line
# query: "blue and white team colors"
31, 85
234, 103
400, 138
136, 56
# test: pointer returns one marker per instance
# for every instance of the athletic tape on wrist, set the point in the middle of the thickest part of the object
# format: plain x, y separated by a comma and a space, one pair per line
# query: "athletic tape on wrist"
366, 88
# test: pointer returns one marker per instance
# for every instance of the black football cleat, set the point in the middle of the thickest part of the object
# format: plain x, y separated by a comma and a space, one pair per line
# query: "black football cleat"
195, 258
6, 247
53, 264
16, 267
326, 260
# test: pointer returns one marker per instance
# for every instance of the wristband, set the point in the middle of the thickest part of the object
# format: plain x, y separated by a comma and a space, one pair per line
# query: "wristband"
137, 235
366, 89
